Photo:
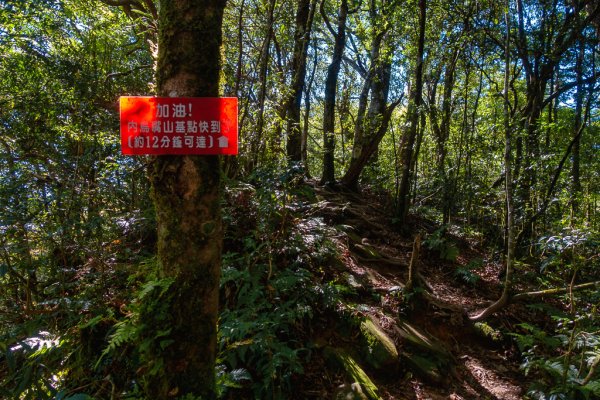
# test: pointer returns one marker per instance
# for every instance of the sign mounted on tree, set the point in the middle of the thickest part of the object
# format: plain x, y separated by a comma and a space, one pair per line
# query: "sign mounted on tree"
179, 125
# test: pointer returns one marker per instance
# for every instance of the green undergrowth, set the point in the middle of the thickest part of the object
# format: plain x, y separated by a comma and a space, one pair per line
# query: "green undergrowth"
561, 351
98, 341
53, 350
276, 254
562, 358
94, 335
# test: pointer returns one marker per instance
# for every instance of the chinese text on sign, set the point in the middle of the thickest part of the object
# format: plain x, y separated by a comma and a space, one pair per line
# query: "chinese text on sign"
179, 125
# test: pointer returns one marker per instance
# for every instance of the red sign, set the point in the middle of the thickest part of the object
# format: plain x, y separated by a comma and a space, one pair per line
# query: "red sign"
179, 125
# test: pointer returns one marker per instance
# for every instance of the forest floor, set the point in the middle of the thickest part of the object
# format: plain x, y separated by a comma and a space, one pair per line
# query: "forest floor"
376, 257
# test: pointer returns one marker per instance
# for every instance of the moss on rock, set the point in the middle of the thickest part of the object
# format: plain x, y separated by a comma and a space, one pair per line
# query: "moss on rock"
355, 373
378, 349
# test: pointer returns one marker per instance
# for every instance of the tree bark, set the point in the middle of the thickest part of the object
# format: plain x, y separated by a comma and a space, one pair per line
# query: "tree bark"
555, 291
307, 110
186, 194
409, 136
371, 128
263, 68
351, 176
304, 18
333, 71
231, 164
441, 129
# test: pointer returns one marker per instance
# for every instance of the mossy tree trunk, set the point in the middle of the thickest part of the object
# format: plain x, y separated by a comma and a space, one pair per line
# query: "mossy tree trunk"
186, 192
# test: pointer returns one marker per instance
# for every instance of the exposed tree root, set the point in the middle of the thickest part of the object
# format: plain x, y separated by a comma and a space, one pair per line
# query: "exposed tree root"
499, 304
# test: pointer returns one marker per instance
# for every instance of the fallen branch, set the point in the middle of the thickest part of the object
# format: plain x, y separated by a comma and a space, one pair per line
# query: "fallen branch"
547, 292
396, 262
506, 300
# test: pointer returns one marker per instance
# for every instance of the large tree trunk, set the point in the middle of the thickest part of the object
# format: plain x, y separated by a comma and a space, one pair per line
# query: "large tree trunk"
371, 128
374, 128
185, 190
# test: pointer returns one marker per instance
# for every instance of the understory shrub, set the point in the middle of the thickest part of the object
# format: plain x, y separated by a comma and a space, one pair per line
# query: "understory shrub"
270, 294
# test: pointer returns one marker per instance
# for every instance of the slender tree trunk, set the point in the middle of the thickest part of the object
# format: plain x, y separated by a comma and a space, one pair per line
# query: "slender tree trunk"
263, 69
575, 173
345, 118
186, 194
463, 135
350, 179
307, 109
550, 119
415, 158
409, 136
535, 96
469, 146
447, 109
510, 252
441, 128
330, 94
231, 164
240, 49
304, 18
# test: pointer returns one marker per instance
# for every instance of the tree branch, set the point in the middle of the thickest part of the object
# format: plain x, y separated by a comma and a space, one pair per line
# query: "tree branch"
326, 19
356, 66
569, 86
116, 74
152, 8
120, 3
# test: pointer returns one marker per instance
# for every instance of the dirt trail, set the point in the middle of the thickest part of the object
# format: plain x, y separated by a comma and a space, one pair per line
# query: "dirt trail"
377, 256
